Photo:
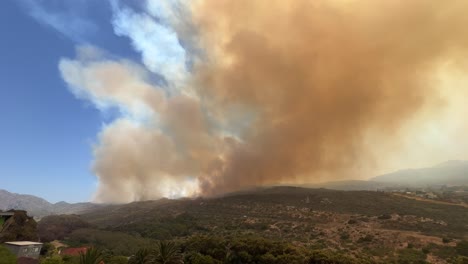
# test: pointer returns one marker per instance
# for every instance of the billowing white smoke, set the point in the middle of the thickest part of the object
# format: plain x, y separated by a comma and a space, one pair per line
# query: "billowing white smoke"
231, 94
161, 140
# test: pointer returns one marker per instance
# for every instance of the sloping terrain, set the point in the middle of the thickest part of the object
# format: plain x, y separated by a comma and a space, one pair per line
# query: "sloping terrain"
453, 172
39, 207
377, 225
283, 203
33, 204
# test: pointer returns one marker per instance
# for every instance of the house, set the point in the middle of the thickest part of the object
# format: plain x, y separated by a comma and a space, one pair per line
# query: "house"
25, 249
430, 195
73, 251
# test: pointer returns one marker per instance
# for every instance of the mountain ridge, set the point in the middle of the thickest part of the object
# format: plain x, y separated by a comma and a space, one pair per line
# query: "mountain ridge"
39, 207
452, 172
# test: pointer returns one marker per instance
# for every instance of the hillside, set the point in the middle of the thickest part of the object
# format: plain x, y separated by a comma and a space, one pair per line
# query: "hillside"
376, 226
33, 204
352, 185
279, 204
448, 173
363, 223
39, 207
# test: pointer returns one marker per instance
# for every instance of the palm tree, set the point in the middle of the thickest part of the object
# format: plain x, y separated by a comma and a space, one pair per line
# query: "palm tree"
142, 256
92, 256
167, 253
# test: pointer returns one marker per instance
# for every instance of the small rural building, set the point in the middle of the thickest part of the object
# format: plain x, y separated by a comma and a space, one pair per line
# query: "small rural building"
25, 249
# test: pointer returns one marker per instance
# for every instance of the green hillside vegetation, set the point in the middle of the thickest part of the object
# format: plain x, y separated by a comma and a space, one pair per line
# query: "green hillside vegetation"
118, 242
217, 250
6, 257
277, 225
166, 219
244, 249
57, 227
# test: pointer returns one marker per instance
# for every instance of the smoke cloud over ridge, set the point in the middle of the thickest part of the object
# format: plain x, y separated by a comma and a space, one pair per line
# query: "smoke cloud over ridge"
260, 92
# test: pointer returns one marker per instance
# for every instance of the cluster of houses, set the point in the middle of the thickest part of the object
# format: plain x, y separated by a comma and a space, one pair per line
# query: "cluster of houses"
29, 251
451, 194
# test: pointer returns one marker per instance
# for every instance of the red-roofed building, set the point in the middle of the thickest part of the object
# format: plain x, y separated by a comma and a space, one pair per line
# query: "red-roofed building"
73, 251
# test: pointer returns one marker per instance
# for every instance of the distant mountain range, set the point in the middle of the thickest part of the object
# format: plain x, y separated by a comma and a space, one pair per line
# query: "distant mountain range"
39, 207
449, 173
454, 172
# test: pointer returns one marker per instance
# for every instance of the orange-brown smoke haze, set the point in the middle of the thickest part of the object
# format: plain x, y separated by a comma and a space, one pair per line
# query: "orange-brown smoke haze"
320, 74
284, 92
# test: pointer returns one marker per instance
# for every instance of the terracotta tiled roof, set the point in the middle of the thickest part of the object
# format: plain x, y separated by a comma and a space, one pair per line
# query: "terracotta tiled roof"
73, 251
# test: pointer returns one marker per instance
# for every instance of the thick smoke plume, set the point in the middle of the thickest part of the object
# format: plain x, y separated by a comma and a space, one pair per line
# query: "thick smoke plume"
264, 92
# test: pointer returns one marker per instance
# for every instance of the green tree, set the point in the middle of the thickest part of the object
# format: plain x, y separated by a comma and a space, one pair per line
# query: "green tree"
19, 227
142, 256
197, 258
52, 260
47, 249
6, 257
71, 259
92, 256
167, 253
327, 257
116, 260
411, 256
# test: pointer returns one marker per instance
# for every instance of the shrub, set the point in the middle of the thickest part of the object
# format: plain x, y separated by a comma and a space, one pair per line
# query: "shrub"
344, 236
446, 240
366, 239
52, 260
426, 250
411, 256
116, 260
327, 257
462, 248
6, 257
385, 217
461, 260
197, 258
57, 227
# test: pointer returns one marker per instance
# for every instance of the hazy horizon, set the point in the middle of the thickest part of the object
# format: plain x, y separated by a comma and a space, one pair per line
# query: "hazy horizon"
309, 185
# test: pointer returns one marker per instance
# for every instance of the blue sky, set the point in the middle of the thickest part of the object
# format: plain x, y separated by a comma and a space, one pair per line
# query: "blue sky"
83, 85
46, 133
